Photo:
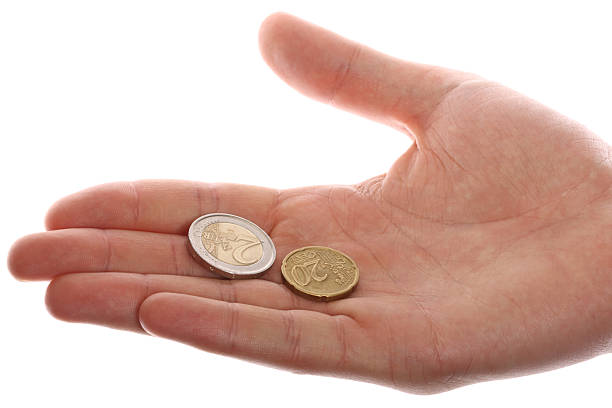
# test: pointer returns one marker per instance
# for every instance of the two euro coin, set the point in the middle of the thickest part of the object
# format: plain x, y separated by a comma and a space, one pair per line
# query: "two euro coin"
231, 246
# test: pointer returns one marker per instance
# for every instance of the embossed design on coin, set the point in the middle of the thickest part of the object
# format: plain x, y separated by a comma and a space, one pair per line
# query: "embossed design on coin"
231, 246
319, 272
232, 243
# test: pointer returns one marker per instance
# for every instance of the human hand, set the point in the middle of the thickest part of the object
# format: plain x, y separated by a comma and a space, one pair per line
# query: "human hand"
485, 251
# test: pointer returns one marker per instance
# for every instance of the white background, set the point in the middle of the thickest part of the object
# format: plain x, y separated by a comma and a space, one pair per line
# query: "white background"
98, 91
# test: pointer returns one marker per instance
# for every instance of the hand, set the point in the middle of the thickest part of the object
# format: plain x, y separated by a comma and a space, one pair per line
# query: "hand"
485, 251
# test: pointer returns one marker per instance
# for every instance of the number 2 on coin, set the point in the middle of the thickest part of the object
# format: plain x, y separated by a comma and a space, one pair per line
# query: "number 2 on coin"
302, 274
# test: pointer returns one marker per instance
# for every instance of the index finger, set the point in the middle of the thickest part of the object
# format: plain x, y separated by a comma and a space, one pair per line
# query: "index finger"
167, 206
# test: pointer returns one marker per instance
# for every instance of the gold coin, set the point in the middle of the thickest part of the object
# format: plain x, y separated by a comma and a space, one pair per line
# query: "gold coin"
320, 273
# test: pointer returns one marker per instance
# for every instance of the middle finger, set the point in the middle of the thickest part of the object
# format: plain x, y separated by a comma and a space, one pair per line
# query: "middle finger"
43, 256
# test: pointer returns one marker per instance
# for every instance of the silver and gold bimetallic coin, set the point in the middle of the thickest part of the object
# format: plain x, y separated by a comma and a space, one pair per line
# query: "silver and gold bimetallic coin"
320, 273
231, 246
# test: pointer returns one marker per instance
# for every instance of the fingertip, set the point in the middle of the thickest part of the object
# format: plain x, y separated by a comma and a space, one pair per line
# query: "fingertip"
105, 205
296, 51
53, 218
44, 255
178, 316
270, 38
108, 299
147, 312
58, 298
272, 21
160, 313
270, 29
13, 260
65, 212
19, 262
61, 212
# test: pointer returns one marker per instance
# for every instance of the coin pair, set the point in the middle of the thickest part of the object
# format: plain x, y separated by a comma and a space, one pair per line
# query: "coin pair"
237, 248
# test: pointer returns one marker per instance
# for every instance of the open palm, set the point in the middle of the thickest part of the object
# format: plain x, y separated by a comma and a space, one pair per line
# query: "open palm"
485, 251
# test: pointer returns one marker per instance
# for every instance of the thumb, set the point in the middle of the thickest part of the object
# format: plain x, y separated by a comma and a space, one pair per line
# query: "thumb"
332, 69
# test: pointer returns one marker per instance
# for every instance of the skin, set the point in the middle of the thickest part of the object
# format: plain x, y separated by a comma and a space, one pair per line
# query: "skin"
485, 251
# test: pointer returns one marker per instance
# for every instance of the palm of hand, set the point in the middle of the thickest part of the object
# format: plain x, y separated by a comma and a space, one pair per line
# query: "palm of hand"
474, 248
